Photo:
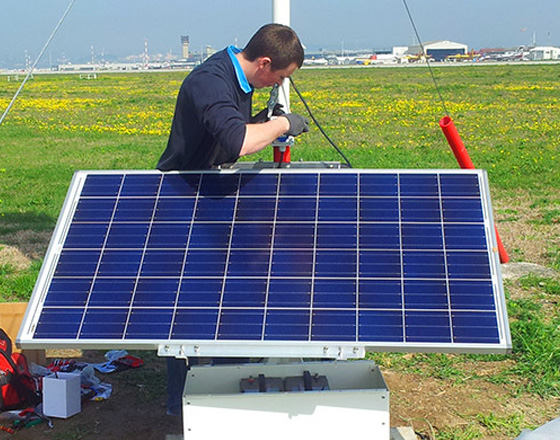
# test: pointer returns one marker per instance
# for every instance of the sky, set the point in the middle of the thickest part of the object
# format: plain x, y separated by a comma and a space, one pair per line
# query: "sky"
118, 28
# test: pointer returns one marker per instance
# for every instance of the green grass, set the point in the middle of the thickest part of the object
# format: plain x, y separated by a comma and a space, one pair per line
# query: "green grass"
17, 285
508, 215
536, 347
548, 211
380, 117
470, 431
554, 255
510, 424
548, 286
148, 381
437, 365
482, 425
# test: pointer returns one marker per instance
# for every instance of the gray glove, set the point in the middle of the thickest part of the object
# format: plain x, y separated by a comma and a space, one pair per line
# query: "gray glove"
298, 124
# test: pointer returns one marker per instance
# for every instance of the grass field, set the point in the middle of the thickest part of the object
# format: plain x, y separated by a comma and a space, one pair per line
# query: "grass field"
380, 118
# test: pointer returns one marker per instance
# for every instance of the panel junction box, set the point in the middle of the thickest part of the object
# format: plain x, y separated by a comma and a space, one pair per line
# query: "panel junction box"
356, 405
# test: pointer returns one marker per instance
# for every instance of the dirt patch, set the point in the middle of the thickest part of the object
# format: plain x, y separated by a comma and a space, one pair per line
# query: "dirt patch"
12, 256
523, 230
31, 244
429, 404
135, 411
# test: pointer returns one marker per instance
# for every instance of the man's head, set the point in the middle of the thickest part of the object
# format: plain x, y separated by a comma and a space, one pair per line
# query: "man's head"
274, 52
279, 43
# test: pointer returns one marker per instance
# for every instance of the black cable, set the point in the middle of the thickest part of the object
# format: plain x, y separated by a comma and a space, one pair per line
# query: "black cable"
348, 164
281, 158
426, 56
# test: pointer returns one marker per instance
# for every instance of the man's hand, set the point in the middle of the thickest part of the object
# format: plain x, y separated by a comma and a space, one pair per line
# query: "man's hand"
298, 124
262, 116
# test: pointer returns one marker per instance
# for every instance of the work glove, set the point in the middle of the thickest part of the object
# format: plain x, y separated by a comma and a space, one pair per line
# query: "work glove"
262, 116
298, 124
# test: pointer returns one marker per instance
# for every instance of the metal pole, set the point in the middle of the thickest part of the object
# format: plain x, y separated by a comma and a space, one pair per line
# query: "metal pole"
281, 15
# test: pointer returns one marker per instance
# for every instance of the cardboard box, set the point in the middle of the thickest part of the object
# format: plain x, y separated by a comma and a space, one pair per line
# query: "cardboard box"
11, 315
61, 395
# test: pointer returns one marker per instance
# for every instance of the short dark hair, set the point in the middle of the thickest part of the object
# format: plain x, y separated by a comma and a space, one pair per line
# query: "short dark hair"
278, 42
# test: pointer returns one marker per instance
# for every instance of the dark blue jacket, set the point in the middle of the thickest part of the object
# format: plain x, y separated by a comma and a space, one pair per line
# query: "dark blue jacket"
208, 126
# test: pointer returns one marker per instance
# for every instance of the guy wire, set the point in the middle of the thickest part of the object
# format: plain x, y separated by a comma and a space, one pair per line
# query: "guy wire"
426, 56
36, 61
348, 164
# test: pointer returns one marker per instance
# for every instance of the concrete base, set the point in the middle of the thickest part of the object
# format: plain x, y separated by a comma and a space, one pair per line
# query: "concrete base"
403, 433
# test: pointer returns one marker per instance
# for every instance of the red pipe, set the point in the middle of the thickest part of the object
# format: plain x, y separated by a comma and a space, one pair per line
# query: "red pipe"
504, 257
456, 144
465, 162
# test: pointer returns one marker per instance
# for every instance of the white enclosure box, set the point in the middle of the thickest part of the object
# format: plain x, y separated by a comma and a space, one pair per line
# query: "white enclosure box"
355, 406
62, 395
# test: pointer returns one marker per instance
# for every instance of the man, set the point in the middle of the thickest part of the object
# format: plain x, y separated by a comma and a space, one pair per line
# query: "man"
212, 124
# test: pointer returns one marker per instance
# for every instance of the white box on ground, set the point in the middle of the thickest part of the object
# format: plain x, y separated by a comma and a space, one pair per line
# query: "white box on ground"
62, 395
357, 403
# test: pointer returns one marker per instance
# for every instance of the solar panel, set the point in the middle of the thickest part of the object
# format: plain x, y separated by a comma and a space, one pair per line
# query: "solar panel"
289, 262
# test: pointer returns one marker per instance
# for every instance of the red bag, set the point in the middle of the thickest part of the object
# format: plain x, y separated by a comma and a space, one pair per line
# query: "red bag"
128, 361
18, 387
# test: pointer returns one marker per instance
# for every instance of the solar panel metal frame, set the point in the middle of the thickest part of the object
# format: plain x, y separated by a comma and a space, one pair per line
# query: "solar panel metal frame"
264, 348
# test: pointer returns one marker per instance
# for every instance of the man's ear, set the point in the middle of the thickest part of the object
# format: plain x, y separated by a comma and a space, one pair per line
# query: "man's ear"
263, 62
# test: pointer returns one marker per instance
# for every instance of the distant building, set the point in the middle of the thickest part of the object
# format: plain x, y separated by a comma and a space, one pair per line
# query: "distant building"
544, 53
209, 51
439, 50
399, 51
185, 47
69, 67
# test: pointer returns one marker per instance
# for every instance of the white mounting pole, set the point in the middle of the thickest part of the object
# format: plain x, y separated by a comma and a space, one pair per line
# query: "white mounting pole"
281, 15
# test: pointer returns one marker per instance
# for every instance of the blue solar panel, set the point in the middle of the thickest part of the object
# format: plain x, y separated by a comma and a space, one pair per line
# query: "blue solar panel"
381, 259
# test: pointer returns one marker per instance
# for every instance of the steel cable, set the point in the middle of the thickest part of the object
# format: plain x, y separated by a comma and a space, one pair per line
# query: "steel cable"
36, 61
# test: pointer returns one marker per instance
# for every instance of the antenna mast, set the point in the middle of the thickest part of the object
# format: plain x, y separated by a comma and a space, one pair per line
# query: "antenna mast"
281, 15
146, 57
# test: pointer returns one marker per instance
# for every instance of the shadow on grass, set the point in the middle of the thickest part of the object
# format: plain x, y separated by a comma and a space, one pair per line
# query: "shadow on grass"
12, 222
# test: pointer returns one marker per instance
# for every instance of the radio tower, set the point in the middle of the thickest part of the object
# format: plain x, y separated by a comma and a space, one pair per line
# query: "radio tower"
146, 58
27, 61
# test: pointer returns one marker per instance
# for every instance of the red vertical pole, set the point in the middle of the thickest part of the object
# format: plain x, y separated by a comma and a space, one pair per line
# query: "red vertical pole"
465, 162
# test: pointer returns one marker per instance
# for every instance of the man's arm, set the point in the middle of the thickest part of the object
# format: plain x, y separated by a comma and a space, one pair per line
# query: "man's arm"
258, 136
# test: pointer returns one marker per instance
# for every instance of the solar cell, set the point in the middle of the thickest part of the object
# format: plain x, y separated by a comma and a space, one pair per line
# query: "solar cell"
239, 261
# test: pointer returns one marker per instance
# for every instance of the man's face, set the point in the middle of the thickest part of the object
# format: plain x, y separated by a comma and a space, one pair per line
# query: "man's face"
266, 77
